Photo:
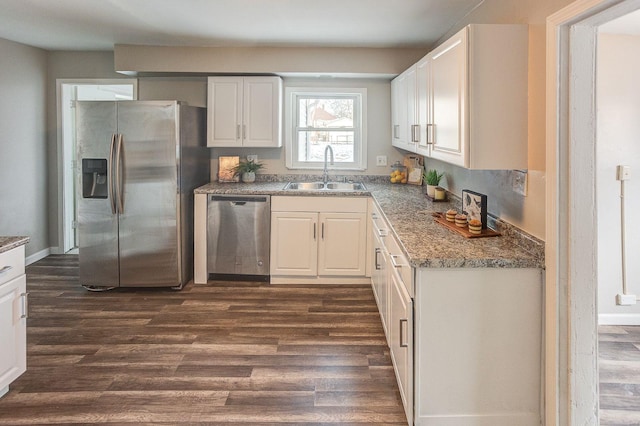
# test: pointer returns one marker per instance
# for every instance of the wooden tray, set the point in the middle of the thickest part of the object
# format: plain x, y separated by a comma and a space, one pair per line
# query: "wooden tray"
434, 200
440, 218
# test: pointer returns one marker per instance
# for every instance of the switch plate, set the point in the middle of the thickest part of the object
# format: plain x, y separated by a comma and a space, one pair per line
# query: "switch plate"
381, 160
519, 181
623, 172
252, 157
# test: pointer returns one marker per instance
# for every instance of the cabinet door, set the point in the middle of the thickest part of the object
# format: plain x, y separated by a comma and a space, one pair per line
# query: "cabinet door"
224, 111
379, 276
399, 94
262, 112
401, 339
449, 100
294, 243
423, 105
13, 331
342, 245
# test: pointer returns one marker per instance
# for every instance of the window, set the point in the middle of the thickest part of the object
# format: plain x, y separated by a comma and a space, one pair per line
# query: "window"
318, 117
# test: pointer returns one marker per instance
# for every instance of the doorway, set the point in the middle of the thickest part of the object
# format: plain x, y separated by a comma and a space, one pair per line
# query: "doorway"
70, 91
571, 394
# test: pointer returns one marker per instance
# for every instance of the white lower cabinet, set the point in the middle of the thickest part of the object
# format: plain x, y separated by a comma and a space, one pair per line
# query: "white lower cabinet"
466, 343
401, 336
318, 237
379, 270
478, 343
13, 314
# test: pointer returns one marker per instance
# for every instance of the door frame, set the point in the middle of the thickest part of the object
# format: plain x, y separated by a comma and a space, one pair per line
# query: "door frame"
63, 154
571, 327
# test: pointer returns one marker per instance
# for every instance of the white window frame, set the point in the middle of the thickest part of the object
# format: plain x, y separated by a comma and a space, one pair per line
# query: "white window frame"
359, 124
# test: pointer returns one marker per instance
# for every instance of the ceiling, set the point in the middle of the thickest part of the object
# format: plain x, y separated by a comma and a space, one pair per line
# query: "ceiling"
99, 24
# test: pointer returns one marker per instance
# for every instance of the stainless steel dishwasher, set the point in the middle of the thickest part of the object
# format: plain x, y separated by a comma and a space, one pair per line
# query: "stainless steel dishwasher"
238, 235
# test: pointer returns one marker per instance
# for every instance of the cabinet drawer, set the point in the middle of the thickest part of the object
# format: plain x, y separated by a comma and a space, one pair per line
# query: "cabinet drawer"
11, 264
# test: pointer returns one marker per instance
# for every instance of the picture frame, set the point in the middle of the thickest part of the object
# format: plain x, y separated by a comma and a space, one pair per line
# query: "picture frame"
474, 205
226, 169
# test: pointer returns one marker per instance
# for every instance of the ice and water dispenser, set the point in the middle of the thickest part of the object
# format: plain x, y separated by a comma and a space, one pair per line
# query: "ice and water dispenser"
94, 178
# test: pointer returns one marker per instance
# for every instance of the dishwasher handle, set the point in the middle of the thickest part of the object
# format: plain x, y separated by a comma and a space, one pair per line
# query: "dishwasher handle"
239, 201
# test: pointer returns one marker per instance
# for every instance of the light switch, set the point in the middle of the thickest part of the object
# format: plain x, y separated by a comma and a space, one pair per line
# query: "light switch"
381, 160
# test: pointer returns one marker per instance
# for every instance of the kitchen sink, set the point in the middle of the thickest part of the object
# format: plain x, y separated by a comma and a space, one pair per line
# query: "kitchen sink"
329, 186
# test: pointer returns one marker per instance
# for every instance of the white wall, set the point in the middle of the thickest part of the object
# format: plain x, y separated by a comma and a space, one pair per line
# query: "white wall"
23, 144
618, 109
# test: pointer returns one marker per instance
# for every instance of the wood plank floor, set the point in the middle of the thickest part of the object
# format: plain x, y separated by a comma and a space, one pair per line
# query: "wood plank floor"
619, 363
246, 353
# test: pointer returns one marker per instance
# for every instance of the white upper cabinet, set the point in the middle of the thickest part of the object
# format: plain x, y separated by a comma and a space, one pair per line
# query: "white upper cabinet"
244, 112
471, 93
403, 109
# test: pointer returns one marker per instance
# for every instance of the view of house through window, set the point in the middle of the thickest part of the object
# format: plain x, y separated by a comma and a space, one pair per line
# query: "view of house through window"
318, 118
322, 122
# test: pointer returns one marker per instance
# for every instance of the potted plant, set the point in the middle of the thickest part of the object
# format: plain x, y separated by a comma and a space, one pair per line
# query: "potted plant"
247, 170
432, 178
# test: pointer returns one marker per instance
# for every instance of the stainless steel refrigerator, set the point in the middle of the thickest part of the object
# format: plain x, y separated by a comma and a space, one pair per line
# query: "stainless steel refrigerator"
139, 162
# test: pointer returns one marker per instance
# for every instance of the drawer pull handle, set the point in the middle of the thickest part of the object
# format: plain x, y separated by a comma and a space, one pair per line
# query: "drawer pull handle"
382, 232
403, 339
6, 269
394, 262
25, 305
377, 252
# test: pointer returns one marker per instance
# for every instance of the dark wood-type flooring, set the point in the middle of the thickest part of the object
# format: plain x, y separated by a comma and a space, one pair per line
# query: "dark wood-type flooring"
246, 353
619, 363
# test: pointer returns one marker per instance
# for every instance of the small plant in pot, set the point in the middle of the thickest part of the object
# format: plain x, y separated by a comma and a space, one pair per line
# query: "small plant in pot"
247, 170
432, 178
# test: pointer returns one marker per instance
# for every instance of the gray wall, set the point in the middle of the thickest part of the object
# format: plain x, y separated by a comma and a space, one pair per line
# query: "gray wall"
23, 144
67, 65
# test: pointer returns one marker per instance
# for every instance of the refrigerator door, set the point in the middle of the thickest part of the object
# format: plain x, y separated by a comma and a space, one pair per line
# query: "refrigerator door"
97, 223
148, 179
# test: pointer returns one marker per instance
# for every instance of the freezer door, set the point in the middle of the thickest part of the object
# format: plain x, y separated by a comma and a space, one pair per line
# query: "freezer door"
97, 223
148, 177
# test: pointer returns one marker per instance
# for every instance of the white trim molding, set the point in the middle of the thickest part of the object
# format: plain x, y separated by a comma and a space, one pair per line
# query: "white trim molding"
619, 319
571, 368
37, 256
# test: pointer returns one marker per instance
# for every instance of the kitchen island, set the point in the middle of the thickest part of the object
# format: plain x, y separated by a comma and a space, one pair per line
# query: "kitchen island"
13, 310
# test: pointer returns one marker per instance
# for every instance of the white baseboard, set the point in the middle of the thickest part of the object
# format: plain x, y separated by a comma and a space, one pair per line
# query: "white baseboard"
37, 256
619, 319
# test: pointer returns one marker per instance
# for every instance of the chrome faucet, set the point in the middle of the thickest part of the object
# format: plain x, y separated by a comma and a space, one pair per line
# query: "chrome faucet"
325, 171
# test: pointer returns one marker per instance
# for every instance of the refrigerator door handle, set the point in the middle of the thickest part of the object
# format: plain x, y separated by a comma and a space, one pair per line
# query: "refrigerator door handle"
118, 174
110, 185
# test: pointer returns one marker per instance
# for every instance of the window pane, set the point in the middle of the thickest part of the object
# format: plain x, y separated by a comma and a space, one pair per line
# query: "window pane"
311, 145
333, 113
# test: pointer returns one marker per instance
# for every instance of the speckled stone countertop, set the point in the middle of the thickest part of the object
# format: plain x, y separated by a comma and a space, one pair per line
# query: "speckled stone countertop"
8, 243
426, 243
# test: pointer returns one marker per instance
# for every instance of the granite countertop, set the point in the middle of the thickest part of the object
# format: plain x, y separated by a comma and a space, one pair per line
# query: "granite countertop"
8, 243
425, 242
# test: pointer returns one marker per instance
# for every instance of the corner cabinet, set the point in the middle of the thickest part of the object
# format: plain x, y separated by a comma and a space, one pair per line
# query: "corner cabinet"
472, 99
13, 317
244, 112
466, 343
318, 239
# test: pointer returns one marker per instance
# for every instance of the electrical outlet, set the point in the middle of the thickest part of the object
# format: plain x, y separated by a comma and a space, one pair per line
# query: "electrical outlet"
381, 160
519, 181
252, 157
625, 299
623, 173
